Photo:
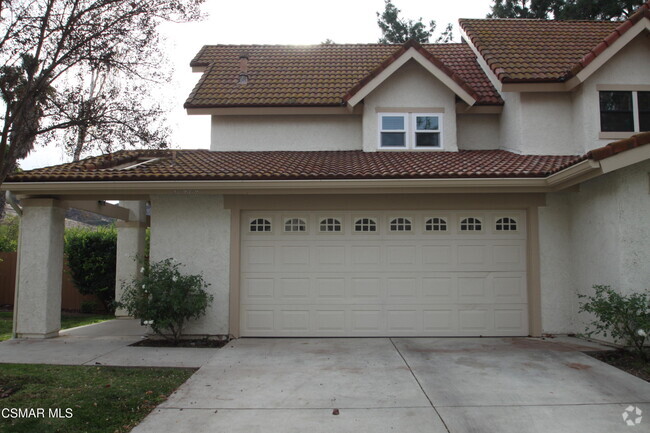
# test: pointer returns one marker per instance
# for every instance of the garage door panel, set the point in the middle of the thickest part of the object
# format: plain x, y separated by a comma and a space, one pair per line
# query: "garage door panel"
385, 283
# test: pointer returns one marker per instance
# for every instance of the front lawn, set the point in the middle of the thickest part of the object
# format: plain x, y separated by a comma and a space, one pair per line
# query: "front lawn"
68, 320
90, 399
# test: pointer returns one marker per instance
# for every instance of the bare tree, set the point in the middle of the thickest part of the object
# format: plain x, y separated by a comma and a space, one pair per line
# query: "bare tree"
44, 43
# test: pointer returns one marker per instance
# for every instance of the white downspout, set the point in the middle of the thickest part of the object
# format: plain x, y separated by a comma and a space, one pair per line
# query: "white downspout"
13, 202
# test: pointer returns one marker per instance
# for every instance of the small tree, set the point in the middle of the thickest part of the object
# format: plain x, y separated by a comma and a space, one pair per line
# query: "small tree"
91, 256
623, 317
9, 234
396, 30
166, 299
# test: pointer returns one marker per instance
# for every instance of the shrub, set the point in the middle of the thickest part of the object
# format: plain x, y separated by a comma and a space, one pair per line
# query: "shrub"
9, 234
623, 317
91, 256
88, 307
166, 299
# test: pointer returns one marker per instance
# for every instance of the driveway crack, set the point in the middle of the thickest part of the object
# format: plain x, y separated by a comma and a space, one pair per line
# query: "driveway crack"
420, 385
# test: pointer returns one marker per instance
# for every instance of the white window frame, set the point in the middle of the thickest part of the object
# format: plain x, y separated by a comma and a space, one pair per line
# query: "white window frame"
414, 130
410, 131
405, 131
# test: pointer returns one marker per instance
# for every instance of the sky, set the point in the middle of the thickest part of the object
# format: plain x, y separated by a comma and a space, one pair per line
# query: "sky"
297, 22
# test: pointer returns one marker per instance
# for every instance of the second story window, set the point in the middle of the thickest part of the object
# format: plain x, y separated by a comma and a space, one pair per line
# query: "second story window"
410, 131
624, 111
393, 131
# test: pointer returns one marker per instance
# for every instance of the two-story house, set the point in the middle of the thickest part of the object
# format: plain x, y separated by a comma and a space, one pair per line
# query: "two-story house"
460, 189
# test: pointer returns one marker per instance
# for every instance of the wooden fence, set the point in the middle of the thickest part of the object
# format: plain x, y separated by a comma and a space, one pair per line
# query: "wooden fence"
71, 299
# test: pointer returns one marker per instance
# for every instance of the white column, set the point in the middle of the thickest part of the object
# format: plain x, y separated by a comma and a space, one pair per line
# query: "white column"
37, 308
130, 246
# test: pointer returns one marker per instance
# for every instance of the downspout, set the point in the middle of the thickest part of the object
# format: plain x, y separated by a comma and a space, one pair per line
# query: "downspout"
13, 202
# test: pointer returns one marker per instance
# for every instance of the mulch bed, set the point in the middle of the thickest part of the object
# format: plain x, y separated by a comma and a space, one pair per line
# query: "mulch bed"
200, 343
624, 360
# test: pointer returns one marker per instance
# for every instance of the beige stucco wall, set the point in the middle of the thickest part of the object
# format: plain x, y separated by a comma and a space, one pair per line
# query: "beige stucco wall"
629, 66
599, 235
195, 231
263, 132
411, 86
478, 131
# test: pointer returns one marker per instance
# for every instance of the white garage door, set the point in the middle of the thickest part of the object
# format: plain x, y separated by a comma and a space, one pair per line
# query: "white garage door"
409, 273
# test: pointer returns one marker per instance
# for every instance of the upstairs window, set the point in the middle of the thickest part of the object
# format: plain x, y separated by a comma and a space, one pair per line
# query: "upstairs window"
624, 111
427, 131
393, 131
410, 131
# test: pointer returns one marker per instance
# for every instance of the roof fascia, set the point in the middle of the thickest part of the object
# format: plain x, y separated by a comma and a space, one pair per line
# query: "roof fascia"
409, 54
272, 111
625, 159
611, 51
482, 63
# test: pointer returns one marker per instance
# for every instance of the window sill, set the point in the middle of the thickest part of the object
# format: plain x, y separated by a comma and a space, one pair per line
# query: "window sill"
615, 135
406, 149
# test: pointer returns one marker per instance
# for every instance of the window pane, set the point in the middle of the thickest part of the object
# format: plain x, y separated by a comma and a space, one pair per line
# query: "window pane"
616, 122
393, 139
616, 101
427, 139
426, 123
392, 123
644, 111
616, 111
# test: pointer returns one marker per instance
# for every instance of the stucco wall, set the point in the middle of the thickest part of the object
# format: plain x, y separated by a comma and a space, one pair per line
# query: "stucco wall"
411, 86
607, 224
251, 133
629, 66
195, 231
478, 131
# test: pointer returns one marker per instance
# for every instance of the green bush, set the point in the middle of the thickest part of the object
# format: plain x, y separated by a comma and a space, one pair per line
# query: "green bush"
166, 299
625, 318
91, 256
9, 234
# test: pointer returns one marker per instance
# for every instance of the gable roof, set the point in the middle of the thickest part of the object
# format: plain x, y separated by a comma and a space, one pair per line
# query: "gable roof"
525, 50
317, 75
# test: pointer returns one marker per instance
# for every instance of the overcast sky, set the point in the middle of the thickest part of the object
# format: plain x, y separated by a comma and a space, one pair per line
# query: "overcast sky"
271, 22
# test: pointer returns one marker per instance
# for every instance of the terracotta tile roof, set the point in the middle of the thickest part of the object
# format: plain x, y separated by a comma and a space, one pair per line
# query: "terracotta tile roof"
285, 165
522, 50
317, 75
619, 146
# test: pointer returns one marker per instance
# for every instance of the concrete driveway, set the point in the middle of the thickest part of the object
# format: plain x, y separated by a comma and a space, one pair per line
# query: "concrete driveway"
403, 385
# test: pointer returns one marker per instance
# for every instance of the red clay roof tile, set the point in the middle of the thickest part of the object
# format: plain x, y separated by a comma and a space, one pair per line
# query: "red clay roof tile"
318, 75
522, 50
286, 165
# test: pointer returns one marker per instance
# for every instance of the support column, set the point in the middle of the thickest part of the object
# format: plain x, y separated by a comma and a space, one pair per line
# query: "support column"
130, 246
37, 307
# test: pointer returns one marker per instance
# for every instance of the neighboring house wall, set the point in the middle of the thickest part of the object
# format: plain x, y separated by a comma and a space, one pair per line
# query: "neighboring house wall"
607, 225
630, 66
478, 131
195, 230
411, 86
260, 132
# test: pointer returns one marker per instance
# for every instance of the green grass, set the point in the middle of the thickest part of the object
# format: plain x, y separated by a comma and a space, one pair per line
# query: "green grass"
67, 321
102, 399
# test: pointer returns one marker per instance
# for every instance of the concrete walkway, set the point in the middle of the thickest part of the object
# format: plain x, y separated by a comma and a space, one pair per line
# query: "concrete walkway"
105, 343
403, 385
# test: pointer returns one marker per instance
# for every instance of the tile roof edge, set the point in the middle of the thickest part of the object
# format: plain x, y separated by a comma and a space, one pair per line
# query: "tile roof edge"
619, 146
642, 12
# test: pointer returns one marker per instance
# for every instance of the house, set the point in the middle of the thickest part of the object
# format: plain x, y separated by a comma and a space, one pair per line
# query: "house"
460, 189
